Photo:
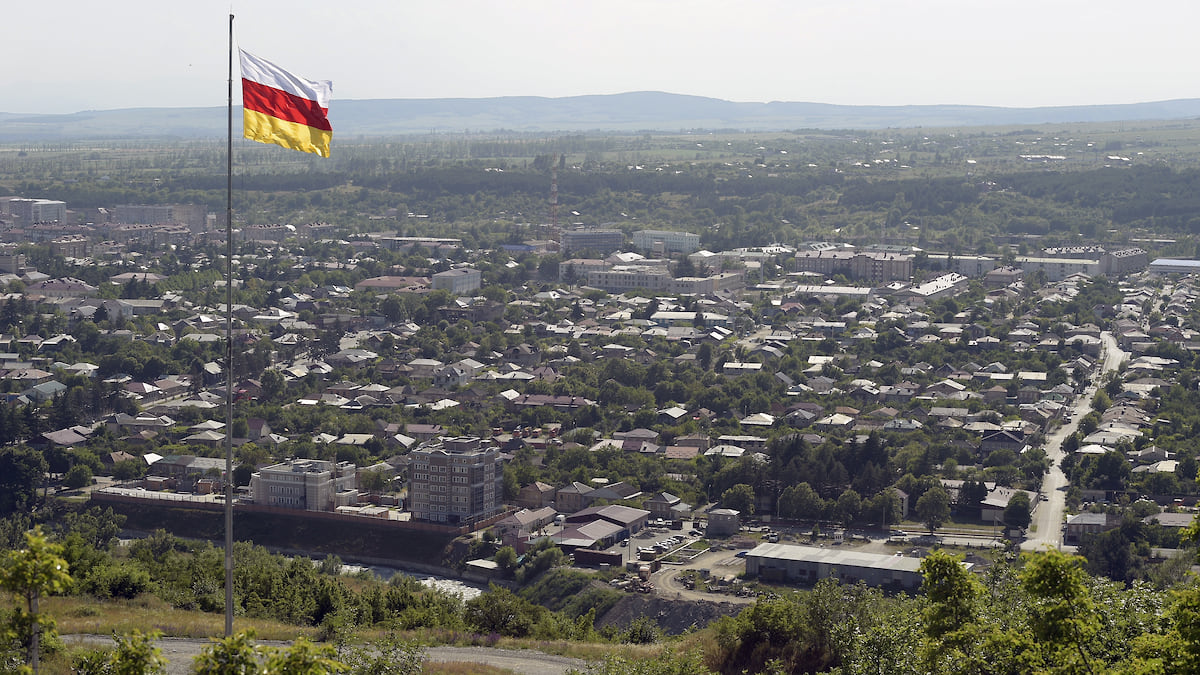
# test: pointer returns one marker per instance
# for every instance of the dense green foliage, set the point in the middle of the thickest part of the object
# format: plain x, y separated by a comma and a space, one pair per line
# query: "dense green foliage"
1042, 613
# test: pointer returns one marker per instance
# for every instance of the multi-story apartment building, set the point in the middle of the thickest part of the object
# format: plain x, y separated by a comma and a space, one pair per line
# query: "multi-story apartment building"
457, 481
1074, 252
430, 243
458, 281
628, 277
621, 278
309, 484
13, 262
143, 214
600, 241
70, 246
42, 232
63, 287
1057, 269
38, 210
665, 242
716, 283
148, 235
273, 232
966, 265
1003, 276
857, 265
1124, 261
193, 215
947, 285
577, 269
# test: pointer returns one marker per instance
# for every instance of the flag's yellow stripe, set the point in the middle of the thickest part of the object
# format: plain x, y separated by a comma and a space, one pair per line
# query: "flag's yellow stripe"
267, 129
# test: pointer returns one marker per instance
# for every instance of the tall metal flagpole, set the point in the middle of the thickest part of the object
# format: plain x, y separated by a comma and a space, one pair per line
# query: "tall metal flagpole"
229, 353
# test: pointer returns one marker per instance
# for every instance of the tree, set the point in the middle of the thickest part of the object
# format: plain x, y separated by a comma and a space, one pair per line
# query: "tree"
953, 593
642, 631
506, 558
1017, 514
273, 385
1109, 471
801, 502
21, 471
849, 506
933, 508
77, 476
391, 308
1112, 553
499, 610
129, 469
740, 497
372, 481
1062, 613
971, 496
884, 508
30, 573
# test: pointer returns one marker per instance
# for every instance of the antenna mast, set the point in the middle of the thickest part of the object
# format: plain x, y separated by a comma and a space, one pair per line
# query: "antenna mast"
554, 199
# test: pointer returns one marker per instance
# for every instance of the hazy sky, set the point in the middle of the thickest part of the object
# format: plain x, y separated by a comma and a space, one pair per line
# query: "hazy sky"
60, 56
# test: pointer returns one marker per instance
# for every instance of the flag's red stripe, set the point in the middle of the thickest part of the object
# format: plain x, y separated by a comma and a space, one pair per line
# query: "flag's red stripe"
285, 106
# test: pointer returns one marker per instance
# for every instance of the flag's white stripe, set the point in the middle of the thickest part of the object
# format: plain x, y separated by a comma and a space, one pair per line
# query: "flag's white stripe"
271, 75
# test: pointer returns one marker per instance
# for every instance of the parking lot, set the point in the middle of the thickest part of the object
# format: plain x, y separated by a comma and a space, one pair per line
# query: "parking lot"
662, 542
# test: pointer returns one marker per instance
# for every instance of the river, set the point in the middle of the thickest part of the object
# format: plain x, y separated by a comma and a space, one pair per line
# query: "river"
454, 586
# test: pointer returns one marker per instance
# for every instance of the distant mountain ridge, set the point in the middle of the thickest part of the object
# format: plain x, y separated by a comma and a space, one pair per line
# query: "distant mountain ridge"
626, 113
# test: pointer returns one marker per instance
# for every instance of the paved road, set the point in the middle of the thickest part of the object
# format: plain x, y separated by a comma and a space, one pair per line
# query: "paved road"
181, 651
1047, 530
519, 661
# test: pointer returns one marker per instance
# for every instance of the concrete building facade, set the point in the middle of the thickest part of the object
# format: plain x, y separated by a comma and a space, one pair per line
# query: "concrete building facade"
38, 210
600, 241
1124, 261
308, 484
665, 242
626, 278
457, 481
1057, 269
858, 265
458, 281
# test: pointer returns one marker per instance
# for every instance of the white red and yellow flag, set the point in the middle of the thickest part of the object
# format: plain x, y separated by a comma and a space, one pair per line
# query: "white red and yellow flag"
284, 109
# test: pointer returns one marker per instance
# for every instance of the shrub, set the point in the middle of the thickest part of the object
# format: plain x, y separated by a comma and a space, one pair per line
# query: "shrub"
121, 580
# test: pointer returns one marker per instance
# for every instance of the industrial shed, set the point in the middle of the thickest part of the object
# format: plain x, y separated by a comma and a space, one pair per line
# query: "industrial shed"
808, 564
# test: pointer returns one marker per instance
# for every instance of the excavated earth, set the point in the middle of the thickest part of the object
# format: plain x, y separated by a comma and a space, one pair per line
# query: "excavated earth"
674, 617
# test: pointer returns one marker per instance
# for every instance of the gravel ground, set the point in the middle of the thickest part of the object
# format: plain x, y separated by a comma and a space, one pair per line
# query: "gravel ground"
180, 651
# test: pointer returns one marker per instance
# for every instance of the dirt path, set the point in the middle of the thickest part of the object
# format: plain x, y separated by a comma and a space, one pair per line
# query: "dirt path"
180, 652
718, 564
